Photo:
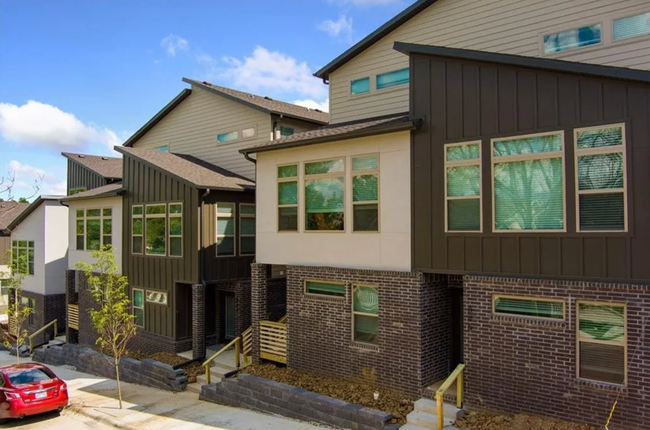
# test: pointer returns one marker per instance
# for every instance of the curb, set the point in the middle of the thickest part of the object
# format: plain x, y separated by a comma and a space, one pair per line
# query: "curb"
81, 410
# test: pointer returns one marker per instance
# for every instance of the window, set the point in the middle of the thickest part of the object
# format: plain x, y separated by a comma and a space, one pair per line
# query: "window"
225, 229
632, 26
288, 198
528, 307
393, 79
463, 187
246, 229
325, 195
600, 182
528, 183
107, 226
365, 310
137, 229
77, 190
602, 346
157, 297
336, 289
286, 131
175, 229
81, 235
572, 39
23, 256
227, 137
248, 133
94, 228
155, 229
360, 86
365, 193
162, 148
138, 307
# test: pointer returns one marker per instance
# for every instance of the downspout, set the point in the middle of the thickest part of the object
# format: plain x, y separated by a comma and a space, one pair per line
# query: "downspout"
201, 268
248, 157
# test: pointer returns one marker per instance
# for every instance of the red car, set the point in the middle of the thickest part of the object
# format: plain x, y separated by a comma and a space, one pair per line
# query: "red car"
29, 389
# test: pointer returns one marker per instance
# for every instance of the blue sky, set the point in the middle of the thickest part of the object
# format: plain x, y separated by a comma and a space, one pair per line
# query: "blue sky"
83, 76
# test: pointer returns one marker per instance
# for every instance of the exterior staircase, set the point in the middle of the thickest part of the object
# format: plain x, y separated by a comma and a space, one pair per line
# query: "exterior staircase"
425, 416
220, 368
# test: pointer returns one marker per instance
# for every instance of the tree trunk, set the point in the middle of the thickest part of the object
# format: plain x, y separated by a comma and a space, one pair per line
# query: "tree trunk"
117, 377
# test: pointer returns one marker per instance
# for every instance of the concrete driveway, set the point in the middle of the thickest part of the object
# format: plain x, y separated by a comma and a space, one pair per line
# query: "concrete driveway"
93, 404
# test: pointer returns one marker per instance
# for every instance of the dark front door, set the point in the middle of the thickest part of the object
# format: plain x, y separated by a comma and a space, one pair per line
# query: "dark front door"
456, 327
228, 314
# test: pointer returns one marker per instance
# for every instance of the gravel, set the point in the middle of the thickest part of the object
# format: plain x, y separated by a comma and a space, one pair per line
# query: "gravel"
492, 421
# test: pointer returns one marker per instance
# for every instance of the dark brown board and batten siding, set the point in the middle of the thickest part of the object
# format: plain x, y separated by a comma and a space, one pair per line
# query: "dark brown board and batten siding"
463, 100
82, 177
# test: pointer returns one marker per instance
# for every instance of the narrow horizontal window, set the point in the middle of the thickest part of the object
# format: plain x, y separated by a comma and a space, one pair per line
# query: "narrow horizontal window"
572, 39
248, 133
392, 79
325, 288
365, 193
529, 307
162, 148
227, 137
288, 198
157, 297
360, 86
286, 131
463, 186
632, 26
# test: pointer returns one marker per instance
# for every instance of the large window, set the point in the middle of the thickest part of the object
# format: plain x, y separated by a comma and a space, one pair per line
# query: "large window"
528, 183
175, 229
537, 308
631, 26
225, 229
463, 187
23, 256
360, 86
602, 346
155, 228
365, 310
324, 288
325, 195
247, 229
572, 39
600, 181
137, 229
94, 228
392, 79
138, 307
365, 193
288, 198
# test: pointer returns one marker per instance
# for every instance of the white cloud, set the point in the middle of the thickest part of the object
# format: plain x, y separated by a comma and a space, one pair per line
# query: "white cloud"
28, 177
40, 124
313, 104
339, 28
173, 43
271, 70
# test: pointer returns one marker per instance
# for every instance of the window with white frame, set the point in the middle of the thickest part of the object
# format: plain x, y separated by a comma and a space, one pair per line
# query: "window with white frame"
365, 310
138, 306
365, 193
533, 307
175, 229
23, 256
631, 26
155, 227
288, 198
137, 229
225, 216
602, 342
572, 39
246, 229
325, 195
157, 297
600, 178
463, 187
528, 183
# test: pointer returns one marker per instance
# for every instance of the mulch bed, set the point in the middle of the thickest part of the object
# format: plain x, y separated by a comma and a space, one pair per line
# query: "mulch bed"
492, 421
192, 370
352, 392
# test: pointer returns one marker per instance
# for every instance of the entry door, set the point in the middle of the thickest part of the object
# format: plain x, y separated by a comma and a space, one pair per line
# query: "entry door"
229, 316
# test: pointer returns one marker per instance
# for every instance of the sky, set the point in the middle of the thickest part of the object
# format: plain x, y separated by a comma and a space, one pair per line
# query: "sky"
83, 76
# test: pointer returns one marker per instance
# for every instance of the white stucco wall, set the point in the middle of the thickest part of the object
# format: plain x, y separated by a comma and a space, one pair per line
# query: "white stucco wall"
389, 249
74, 256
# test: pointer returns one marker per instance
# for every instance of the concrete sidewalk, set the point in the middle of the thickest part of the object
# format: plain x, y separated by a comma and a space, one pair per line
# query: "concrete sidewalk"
149, 408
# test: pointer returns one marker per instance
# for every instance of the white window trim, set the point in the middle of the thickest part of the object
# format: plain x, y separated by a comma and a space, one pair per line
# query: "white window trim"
232, 215
133, 306
530, 298
619, 149
473, 162
355, 173
525, 157
241, 216
603, 33
342, 174
144, 228
169, 229
277, 194
365, 314
602, 342
133, 217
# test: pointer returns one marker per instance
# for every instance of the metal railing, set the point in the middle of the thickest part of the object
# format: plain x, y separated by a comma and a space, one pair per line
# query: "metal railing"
456, 375
41, 330
236, 342
73, 316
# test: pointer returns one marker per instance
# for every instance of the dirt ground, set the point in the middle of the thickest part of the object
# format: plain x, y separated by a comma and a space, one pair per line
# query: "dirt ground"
491, 421
359, 393
191, 370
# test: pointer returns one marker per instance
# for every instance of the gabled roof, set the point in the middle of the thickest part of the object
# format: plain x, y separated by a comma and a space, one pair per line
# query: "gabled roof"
109, 190
342, 131
265, 104
530, 62
9, 211
373, 37
157, 117
31, 208
107, 167
189, 169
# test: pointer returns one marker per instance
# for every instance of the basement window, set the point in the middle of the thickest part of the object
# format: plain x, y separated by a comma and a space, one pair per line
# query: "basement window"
537, 308
325, 288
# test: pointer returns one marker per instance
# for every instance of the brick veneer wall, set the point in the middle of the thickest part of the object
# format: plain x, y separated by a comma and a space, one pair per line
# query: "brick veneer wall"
407, 357
522, 365
276, 290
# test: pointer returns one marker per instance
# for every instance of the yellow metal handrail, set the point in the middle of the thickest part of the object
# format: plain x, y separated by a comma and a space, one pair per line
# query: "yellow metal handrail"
236, 342
456, 375
41, 330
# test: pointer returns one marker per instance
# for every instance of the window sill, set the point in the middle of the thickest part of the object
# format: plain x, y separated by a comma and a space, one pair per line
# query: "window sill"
364, 346
523, 321
602, 386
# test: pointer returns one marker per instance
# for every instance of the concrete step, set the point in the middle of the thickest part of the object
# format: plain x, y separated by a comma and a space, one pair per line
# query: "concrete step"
194, 387
62, 338
425, 420
222, 371
430, 407
202, 380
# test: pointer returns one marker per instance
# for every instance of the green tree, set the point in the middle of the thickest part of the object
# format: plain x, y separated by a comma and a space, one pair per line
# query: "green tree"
23, 200
112, 319
17, 311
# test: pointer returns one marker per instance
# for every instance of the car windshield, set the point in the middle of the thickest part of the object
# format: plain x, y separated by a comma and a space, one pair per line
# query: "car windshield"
29, 376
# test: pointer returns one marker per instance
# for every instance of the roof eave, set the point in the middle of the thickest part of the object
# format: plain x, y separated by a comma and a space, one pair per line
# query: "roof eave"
300, 118
392, 128
24, 214
115, 193
227, 96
